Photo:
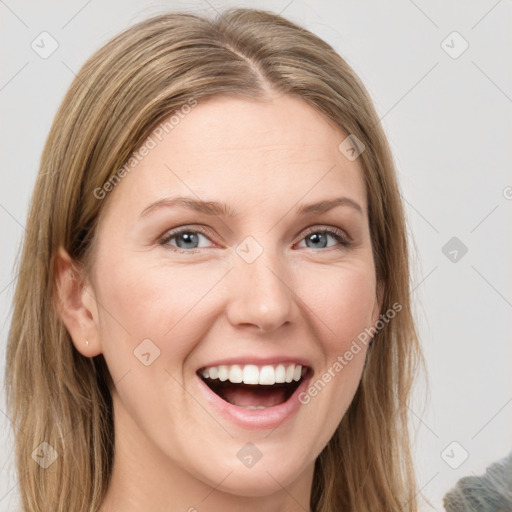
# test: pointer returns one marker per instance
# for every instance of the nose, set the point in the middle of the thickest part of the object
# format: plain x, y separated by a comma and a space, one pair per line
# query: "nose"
261, 294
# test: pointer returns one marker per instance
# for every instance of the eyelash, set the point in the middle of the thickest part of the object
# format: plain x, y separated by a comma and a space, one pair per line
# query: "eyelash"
337, 234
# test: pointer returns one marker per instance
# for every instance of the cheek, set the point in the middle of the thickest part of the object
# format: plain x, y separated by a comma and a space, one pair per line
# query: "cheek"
344, 308
342, 300
157, 302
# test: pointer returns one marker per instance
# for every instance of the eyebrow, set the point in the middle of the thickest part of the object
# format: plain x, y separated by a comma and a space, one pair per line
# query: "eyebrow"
216, 208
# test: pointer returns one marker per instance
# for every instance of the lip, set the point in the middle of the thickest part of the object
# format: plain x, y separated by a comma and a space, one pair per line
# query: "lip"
274, 361
255, 419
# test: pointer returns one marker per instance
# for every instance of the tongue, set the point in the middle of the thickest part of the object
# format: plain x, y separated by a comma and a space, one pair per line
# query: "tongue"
244, 397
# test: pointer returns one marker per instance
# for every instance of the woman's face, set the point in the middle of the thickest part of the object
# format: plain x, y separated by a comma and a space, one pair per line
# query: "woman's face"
181, 293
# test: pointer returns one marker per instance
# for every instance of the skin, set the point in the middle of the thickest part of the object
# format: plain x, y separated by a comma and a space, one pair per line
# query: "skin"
300, 297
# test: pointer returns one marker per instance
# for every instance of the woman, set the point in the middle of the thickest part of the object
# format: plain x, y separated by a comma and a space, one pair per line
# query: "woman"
213, 309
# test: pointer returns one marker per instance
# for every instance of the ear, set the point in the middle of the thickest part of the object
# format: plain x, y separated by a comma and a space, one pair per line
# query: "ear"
76, 305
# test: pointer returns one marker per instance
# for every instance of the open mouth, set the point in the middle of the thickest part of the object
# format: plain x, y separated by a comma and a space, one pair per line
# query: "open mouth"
253, 387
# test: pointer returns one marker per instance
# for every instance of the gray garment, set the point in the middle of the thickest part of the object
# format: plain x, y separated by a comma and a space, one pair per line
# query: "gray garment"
490, 492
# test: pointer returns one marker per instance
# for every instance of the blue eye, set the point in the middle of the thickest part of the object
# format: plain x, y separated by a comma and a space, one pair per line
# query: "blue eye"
320, 238
187, 240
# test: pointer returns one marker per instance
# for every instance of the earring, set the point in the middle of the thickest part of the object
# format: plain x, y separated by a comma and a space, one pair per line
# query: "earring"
86, 342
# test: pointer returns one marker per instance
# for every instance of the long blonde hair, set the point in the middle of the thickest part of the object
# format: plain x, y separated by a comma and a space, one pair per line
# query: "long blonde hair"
56, 395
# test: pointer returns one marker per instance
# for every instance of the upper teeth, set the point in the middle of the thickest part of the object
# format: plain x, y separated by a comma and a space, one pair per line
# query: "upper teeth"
252, 374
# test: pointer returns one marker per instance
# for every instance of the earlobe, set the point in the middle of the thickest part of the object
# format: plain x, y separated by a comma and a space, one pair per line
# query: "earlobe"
76, 305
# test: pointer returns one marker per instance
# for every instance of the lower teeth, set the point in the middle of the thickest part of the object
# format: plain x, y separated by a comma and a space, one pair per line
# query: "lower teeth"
260, 407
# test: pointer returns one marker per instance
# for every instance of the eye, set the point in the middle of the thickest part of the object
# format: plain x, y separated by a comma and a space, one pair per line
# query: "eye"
187, 239
319, 237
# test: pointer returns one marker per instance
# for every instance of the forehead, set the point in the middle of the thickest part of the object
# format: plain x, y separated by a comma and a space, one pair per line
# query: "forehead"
246, 153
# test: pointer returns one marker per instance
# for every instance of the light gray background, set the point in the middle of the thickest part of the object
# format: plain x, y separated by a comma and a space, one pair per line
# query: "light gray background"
449, 124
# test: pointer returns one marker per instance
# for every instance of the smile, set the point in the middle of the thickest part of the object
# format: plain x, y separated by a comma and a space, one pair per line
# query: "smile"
252, 395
